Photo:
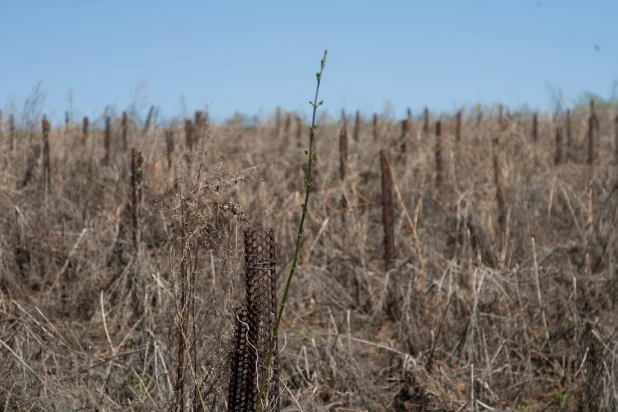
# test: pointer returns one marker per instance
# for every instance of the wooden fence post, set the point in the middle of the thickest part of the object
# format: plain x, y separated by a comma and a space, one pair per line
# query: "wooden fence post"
569, 137
375, 127
85, 126
535, 127
11, 131
558, 158
458, 127
286, 129
356, 131
500, 190
169, 145
107, 140
189, 129
387, 210
136, 196
46, 158
439, 165
124, 125
616, 137
592, 125
343, 146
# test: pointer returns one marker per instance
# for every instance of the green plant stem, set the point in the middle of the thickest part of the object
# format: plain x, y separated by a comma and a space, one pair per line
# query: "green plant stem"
308, 182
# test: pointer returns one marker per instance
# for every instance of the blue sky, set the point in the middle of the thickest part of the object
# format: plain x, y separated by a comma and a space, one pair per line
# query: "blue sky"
252, 56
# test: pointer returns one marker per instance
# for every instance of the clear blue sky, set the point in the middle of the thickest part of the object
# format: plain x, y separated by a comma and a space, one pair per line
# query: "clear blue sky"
251, 56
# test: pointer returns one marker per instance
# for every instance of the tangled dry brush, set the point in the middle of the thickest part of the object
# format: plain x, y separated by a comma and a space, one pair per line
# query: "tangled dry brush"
121, 270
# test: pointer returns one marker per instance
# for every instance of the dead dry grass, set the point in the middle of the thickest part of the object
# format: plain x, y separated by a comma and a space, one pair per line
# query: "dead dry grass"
472, 316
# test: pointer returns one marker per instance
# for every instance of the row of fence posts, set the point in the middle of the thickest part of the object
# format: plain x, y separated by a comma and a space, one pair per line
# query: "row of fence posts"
501, 200
192, 131
136, 161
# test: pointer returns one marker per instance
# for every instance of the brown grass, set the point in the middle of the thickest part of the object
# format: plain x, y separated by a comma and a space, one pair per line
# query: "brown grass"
353, 338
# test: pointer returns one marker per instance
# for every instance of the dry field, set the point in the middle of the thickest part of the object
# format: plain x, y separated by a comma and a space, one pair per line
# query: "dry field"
500, 293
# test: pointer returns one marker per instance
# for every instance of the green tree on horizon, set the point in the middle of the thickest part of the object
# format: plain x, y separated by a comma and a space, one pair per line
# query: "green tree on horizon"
584, 99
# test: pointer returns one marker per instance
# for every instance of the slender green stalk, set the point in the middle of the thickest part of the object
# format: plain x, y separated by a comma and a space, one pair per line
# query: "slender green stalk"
311, 156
